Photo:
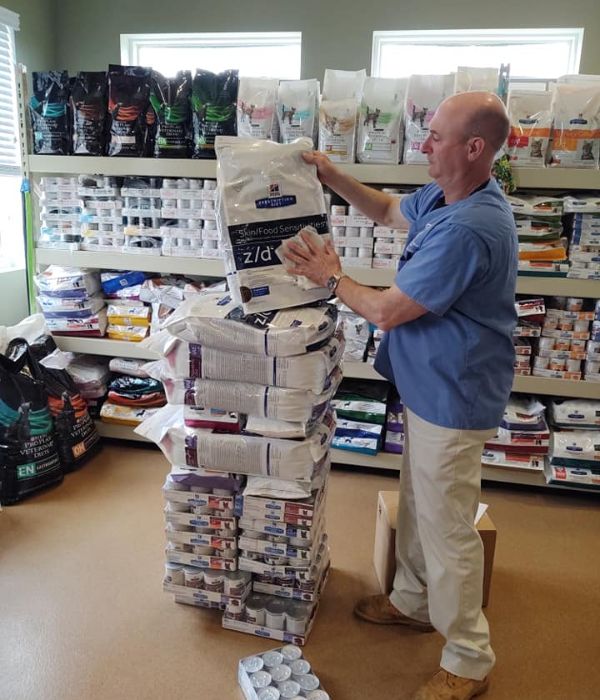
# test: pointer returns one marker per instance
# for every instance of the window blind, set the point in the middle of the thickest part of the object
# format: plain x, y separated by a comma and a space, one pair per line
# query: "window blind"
10, 162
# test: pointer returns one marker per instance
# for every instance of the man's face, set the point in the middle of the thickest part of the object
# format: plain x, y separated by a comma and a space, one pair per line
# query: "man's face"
446, 147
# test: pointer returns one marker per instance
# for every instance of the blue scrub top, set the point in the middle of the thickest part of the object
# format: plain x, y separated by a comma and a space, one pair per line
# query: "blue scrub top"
453, 366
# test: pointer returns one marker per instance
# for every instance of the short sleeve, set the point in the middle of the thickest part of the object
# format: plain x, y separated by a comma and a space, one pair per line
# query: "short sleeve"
408, 207
439, 272
411, 206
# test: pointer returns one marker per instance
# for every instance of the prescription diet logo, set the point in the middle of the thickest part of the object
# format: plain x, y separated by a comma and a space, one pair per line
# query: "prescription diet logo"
275, 199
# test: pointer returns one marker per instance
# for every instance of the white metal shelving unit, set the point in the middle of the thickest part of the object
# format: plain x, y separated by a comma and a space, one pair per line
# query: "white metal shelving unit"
547, 178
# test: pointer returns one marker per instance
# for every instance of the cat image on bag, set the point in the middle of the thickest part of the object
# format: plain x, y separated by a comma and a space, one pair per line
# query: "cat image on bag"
587, 150
287, 114
330, 123
420, 115
372, 117
536, 149
247, 110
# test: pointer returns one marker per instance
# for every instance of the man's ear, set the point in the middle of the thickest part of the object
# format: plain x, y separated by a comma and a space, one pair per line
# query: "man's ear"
476, 146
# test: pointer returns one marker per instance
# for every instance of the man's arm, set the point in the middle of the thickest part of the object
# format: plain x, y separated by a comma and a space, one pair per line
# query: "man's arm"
376, 205
385, 308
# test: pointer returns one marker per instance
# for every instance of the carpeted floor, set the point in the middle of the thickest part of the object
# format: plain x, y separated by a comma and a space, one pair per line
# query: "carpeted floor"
83, 616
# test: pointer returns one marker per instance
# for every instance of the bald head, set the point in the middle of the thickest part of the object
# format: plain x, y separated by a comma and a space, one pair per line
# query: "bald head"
478, 114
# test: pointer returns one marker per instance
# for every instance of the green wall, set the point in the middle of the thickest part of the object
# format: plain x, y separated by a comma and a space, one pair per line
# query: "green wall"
335, 34
36, 40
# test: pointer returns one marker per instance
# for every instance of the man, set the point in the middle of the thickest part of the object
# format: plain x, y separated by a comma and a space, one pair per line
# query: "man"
448, 349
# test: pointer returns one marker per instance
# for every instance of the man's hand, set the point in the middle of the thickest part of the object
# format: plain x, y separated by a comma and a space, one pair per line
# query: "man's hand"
317, 262
326, 170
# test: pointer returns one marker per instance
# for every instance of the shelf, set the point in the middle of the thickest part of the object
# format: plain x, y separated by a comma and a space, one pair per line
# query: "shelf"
215, 268
384, 460
152, 167
105, 346
524, 385
557, 387
558, 286
130, 261
556, 178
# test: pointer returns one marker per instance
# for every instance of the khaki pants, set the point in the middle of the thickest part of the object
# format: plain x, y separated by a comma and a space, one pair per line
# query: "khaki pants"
439, 554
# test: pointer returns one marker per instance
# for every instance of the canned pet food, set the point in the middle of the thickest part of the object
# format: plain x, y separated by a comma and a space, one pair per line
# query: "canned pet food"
574, 304
581, 326
300, 667
281, 673
288, 689
275, 614
291, 652
260, 679
270, 693
541, 362
214, 580
255, 610
574, 365
253, 664
194, 577
174, 574
308, 682
272, 659
557, 364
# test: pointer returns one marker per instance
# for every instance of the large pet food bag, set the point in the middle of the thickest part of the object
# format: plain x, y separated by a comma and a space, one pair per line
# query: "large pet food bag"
379, 136
576, 113
342, 92
530, 124
266, 195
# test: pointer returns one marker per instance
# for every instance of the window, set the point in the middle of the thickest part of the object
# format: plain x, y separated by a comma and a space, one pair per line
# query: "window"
266, 54
535, 55
12, 254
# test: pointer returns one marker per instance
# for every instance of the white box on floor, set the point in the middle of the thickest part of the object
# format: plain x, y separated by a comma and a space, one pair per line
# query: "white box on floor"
384, 554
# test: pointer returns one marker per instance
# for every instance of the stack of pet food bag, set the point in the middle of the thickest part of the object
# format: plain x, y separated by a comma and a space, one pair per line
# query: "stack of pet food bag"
45, 428
542, 245
584, 251
361, 408
249, 375
523, 439
575, 454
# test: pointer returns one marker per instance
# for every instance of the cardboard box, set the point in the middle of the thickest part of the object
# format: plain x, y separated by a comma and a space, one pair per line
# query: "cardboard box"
384, 556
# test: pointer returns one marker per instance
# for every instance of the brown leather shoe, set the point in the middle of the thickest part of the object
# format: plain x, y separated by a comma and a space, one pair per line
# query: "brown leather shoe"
446, 686
378, 609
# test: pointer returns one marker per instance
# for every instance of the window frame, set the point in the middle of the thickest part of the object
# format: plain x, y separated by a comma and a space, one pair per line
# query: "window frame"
489, 37
132, 43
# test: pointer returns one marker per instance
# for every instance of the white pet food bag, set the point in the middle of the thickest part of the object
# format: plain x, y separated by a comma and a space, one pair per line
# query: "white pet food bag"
530, 124
241, 454
267, 193
256, 117
309, 371
424, 94
576, 113
380, 121
275, 403
471, 79
297, 108
342, 92
215, 320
